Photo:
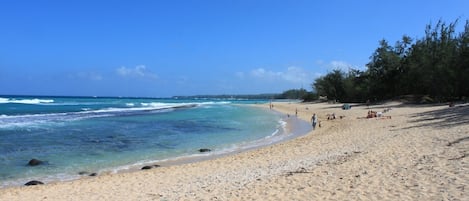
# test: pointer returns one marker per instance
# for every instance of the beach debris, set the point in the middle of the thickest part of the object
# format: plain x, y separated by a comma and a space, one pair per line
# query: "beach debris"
459, 157
205, 150
299, 171
457, 141
33, 183
147, 167
35, 162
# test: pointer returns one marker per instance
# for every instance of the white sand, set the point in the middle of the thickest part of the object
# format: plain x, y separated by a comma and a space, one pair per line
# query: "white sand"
419, 154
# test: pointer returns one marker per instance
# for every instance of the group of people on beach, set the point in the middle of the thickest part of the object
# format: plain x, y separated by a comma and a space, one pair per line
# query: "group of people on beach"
371, 114
374, 114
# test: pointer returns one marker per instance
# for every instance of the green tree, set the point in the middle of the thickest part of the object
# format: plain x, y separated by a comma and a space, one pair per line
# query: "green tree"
331, 85
432, 62
384, 69
356, 86
462, 63
436, 65
293, 94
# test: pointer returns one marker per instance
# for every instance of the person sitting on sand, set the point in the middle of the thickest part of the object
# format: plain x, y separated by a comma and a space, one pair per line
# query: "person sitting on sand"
371, 114
331, 116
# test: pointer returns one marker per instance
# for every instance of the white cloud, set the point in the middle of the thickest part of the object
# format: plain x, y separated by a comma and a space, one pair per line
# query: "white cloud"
341, 65
138, 72
265, 80
262, 73
292, 74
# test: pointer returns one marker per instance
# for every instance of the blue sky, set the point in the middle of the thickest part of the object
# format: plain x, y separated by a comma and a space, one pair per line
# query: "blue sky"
165, 48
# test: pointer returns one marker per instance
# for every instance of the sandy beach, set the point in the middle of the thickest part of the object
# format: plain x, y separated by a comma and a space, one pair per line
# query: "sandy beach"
420, 153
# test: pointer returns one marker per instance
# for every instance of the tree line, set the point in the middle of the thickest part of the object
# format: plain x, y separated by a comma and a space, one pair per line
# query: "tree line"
288, 94
434, 68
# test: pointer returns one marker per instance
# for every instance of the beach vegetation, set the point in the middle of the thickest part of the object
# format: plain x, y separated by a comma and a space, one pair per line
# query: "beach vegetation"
310, 96
293, 94
434, 67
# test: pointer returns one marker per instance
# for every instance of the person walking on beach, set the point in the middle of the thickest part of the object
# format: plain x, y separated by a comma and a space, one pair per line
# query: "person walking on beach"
314, 120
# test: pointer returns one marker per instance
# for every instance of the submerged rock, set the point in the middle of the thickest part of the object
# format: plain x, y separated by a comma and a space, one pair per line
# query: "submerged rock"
35, 162
33, 183
205, 150
83, 173
93, 174
147, 167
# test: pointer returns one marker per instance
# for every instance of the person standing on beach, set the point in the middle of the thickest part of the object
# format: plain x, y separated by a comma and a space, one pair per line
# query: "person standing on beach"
314, 120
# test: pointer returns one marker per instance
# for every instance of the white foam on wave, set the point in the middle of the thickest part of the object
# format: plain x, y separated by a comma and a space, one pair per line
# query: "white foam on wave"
280, 134
31, 120
215, 103
159, 105
19, 124
44, 178
25, 101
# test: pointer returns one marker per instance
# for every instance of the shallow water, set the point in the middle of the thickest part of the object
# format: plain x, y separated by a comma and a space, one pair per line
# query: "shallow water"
73, 134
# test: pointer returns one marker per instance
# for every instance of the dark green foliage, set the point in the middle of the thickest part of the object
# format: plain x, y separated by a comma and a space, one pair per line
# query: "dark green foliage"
310, 96
332, 85
435, 66
292, 94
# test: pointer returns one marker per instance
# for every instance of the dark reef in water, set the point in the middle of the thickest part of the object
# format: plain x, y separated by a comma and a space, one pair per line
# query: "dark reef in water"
35, 162
204, 150
33, 183
147, 167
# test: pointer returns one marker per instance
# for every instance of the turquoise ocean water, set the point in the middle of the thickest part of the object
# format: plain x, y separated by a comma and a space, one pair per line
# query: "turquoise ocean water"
75, 134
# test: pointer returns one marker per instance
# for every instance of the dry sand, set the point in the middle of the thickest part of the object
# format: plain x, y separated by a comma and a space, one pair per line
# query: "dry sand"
421, 153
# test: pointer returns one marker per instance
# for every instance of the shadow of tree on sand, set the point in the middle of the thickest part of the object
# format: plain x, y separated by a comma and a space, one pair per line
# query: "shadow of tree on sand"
441, 118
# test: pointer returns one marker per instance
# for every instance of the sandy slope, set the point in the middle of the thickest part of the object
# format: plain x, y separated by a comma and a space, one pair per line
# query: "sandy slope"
419, 154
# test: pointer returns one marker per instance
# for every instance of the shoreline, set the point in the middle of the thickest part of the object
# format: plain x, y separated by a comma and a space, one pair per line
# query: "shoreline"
294, 128
419, 154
